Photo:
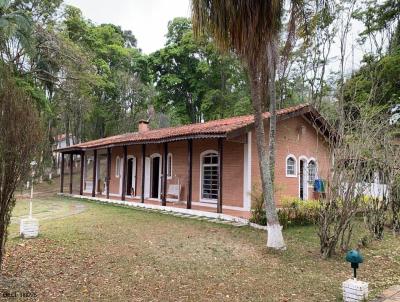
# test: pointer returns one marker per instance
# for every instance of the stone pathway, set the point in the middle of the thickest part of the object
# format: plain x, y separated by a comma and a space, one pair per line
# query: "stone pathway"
392, 294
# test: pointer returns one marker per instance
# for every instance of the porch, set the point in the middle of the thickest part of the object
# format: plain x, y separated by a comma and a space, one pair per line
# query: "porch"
187, 174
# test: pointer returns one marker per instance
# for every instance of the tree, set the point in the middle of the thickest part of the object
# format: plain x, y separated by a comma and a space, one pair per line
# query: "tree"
20, 137
117, 61
14, 27
251, 29
194, 81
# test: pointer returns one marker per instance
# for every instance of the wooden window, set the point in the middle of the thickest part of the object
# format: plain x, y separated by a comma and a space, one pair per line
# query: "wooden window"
209, 181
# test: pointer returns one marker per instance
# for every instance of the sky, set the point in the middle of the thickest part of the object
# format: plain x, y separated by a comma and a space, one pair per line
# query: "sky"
148, 19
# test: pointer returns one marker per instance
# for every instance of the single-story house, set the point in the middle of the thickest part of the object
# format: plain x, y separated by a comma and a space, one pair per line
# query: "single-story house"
212, 164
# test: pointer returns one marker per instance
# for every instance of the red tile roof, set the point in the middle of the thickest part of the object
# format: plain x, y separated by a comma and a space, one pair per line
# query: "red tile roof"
216, 128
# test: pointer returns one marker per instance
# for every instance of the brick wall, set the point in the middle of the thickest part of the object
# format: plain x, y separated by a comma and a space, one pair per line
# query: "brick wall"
290, 139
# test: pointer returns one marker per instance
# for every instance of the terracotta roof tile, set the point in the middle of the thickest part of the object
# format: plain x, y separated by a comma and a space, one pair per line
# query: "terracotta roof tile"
216, 128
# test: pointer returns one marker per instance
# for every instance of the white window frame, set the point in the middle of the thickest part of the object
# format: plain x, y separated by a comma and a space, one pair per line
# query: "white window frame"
169, 165
117, 167
202, 154
295, 166
308, 173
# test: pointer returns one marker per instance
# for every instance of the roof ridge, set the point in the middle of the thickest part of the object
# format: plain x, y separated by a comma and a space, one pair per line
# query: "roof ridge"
296, 107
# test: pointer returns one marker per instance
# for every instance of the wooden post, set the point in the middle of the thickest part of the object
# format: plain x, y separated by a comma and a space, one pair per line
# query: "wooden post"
124, 172
62, 174
108, 172
165, 163
94, 172
190, 168
220, 170
71, 171
143, 169
82, 169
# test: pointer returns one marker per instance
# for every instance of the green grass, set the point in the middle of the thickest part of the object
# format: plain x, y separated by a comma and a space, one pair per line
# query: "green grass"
104, 252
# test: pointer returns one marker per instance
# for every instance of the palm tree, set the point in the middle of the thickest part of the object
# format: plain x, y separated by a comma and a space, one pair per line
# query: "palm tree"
251, 29
13, 23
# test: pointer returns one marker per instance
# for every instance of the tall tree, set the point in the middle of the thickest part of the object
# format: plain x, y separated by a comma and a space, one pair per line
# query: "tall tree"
251, 28
19, 140
194, 81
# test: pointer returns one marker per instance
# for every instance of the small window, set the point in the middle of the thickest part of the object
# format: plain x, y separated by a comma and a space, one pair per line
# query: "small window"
117, 167
169, 166
312, 171
290, 166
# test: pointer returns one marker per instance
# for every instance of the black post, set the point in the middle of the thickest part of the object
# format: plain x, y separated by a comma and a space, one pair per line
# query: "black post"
62, 174
124, 173
165, 159
190, 168
220, 170
108, 172
82, 169
143, 169
354, 265
94, 172
71, 171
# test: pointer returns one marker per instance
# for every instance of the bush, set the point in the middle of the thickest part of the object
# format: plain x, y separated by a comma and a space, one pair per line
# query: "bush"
258, 214
375, 215
294, 211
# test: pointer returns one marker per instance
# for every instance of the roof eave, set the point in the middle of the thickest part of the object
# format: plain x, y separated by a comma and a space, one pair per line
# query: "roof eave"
74, 149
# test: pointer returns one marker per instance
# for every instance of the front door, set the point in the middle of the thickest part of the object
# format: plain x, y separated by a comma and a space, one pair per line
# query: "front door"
303, 180
155, 177
131, 177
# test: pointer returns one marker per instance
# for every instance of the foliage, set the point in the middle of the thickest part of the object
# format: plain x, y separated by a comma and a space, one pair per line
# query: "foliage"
297, 212
395, 204
14, 25
194, 81
258, 214
364, 148
375, 215
20, 136
292, 212
121, 89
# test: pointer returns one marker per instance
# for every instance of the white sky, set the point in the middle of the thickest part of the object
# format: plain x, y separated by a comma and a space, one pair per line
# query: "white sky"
148, 19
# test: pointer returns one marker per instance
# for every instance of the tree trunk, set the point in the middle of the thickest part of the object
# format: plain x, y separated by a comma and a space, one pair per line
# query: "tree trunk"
274, 229
272, 55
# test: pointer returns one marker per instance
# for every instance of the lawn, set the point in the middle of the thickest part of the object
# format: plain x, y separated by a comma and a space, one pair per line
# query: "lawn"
89, 251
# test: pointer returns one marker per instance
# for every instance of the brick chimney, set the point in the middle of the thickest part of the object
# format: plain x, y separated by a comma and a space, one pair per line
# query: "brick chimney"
143, 126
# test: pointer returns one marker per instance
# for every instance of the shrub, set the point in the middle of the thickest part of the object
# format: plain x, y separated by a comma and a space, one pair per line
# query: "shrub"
375, 215
294, 211
258, 214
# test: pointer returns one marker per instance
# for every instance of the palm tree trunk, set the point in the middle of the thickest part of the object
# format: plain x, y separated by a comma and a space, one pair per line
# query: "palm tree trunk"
271, 71
275, 238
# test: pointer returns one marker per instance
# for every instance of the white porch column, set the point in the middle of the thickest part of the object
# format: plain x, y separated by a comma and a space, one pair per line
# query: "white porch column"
247, 173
